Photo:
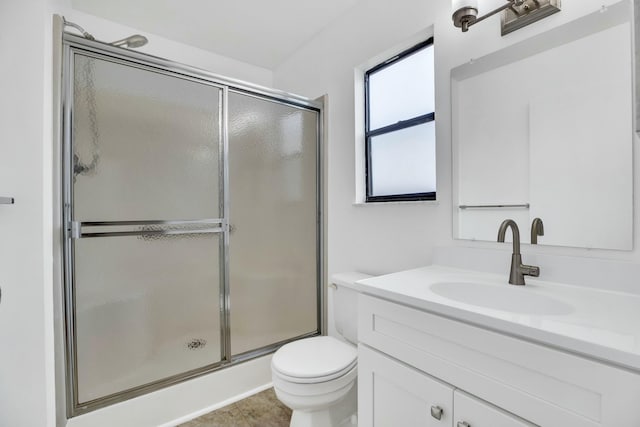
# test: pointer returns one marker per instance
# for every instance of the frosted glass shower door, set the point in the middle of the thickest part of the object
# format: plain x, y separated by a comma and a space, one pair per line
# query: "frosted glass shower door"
273, 212
146, 226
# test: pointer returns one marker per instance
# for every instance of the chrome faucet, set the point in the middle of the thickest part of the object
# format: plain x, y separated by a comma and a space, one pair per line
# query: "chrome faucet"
518, 269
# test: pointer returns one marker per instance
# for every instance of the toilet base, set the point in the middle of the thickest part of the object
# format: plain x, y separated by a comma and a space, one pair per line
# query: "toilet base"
340, 414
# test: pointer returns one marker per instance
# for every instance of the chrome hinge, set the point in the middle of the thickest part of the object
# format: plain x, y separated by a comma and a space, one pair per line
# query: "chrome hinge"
74, 229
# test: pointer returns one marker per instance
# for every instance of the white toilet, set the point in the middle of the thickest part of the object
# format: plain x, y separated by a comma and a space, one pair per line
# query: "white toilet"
316, 377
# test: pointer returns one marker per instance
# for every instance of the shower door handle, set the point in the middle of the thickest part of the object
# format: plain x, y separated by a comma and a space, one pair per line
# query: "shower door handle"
144, 228
7, 201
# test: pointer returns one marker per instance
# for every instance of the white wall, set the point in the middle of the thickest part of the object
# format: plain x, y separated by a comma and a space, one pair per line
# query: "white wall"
26, 332
27, 386
384, 238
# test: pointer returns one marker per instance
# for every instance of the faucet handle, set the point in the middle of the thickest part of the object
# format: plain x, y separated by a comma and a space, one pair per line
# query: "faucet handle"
537, 229
530, 270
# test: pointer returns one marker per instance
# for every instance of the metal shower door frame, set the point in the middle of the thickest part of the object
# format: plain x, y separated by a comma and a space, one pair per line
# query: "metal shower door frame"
71, 230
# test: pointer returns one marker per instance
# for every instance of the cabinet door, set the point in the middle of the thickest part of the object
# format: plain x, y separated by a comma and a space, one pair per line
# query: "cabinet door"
391, 394
473, 412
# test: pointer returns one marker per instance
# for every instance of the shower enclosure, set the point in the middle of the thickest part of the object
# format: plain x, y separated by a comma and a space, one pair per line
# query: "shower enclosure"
192, 222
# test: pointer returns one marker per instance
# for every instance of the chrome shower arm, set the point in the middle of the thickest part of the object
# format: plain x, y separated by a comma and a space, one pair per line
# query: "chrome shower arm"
85, 34
133, 41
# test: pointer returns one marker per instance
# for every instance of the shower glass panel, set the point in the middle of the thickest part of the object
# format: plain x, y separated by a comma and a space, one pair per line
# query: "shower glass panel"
147, 236
146, 144
147, 308
192, 222
273, 214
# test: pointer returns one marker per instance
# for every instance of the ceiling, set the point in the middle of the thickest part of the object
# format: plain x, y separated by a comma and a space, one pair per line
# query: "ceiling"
260, 32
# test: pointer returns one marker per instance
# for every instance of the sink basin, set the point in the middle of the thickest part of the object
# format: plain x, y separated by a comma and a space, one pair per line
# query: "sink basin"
514, 299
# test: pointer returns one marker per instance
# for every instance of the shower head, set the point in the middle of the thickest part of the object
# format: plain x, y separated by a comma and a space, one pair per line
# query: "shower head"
131, 42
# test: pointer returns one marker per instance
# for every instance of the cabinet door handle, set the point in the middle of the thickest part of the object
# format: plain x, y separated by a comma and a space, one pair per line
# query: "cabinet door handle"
463, 424
436, 412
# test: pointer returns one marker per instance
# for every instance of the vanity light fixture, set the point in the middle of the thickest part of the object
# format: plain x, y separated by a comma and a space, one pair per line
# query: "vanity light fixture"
515, 13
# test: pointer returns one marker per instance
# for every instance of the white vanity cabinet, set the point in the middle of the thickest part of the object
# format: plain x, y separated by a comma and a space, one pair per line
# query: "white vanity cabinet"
411, 360
393, 394
398, 395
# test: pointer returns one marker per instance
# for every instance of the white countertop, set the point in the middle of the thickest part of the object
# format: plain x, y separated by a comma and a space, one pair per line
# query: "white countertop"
599, 324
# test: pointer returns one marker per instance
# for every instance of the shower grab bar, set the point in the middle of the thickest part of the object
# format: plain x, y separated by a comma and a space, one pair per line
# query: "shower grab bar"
149, 232
6, 201
76, 228
154, 222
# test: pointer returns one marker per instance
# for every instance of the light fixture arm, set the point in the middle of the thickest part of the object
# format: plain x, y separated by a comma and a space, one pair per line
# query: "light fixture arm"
509, 4
516, 14
467, 16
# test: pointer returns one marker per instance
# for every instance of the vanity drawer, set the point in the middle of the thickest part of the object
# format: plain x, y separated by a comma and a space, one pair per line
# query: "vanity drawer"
393, 394
546, 386
476, 413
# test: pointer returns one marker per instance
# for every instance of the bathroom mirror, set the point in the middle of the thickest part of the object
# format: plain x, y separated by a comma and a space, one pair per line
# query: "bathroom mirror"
544, 129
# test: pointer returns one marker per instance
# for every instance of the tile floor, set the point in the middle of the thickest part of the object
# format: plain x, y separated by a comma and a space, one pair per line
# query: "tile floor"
260, 410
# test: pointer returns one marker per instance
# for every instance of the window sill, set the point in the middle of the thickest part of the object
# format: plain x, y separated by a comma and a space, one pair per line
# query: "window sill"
399, 202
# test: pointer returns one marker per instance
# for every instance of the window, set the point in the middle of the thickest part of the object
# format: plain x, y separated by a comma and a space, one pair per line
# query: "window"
400, 127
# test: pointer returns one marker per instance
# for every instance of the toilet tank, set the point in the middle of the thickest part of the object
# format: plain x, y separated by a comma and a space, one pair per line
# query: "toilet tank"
345, 304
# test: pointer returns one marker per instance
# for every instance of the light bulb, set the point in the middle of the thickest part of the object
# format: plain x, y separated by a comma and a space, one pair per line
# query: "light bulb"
459, 4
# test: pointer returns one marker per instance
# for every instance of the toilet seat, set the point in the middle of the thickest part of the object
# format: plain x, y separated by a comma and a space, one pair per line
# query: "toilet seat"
336, 386
314, 360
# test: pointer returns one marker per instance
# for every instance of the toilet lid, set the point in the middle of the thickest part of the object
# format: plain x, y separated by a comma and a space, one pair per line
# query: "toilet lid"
315, 358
